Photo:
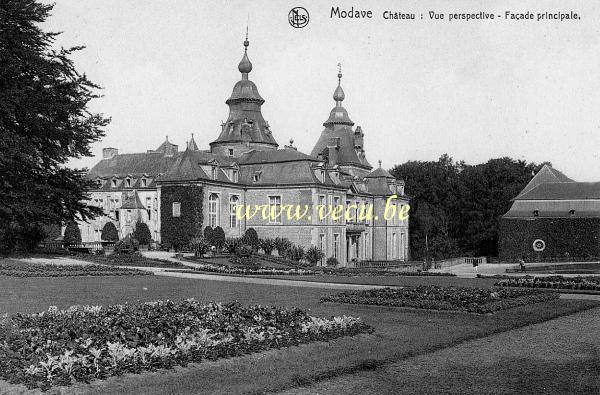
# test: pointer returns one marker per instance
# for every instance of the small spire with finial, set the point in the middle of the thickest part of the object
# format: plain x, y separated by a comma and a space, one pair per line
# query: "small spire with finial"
380, 163
245, 66
339, 95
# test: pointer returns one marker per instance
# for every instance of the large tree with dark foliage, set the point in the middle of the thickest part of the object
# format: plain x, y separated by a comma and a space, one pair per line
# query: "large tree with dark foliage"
44, 121
456, 208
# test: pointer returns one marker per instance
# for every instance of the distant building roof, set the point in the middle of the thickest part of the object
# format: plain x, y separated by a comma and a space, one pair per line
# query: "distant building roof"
563, 191
546, 174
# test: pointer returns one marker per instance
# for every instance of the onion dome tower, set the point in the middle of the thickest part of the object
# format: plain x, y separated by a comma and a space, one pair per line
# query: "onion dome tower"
245, 128
339, 144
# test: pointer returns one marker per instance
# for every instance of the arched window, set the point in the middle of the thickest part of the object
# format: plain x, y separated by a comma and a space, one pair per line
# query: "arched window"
213, 210
234, 200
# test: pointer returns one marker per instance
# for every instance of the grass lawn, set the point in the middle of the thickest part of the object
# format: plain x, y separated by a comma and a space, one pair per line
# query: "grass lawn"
398, 334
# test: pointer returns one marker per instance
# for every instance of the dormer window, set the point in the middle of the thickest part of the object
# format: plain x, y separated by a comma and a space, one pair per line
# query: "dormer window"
230, 151
214, 172
255, 178
234, 175
144, 182
536, 213
322, 175
113, 183
571, 212
128, 182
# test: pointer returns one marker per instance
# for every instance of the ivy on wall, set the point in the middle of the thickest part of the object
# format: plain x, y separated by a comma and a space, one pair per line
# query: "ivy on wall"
564, 237
178, 231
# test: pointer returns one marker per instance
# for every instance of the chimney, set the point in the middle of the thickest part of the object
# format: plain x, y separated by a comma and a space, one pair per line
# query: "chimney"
109, 153
332, 150
358, 138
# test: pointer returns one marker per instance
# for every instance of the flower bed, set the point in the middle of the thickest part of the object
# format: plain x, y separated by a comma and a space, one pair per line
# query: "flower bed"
135, 259
222, 269
84, 343
22, 269
382, 272
431, 297
589, 283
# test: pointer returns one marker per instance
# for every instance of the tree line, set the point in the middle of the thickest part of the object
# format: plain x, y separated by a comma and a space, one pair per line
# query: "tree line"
456, 207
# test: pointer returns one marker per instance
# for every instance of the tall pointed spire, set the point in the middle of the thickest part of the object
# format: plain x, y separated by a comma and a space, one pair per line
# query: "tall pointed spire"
191, 145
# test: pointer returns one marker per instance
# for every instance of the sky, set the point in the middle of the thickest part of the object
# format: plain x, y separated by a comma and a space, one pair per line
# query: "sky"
475, 90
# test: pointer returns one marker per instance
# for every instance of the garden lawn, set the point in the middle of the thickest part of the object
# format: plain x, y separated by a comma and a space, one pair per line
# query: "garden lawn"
398, 334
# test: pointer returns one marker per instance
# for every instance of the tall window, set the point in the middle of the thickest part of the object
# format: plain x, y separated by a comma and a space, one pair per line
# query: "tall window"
336, 245
321, 203
213, 210
235, 176
176, 209
335, 212
394, 246
233, 202
275, 209
149, 207
366, 254
214, 172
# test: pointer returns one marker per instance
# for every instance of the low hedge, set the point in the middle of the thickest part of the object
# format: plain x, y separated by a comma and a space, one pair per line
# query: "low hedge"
588, 283
431, 297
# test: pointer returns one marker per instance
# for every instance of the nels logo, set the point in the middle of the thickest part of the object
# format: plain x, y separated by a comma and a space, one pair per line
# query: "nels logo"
298, 17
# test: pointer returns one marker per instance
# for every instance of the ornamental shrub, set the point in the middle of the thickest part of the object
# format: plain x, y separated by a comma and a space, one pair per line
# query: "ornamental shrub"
208, 235
332, 261
200, 246
296, 253
218, 237
128, 245
110, 232
72, 234
251, 238
232, 244
282, 245
243, 250
267, 244
314, 255
142, 233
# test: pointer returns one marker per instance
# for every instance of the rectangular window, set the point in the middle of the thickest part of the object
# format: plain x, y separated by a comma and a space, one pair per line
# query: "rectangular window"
235, 176
394, 246
336, 245
176, 209
113, 183
214, 173
275, 209
144, 182
230, 151
128, 215
366, 249
117, 215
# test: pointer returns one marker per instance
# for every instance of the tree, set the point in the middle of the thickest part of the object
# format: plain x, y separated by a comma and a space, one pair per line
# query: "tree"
218, 236
109, 232
251, 238
72, 234
44, 121
142, 233
267, 244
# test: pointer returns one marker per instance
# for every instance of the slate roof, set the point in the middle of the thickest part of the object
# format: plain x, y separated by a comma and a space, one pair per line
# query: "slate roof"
554, 209
347, 155
546, 174
274, 156
131, 201
151, 163
563, 191
380, 173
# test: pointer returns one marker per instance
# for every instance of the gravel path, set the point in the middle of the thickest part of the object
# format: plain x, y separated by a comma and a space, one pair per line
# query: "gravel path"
557, 356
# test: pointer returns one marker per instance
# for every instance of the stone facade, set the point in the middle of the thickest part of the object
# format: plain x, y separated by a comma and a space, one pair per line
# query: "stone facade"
244, 166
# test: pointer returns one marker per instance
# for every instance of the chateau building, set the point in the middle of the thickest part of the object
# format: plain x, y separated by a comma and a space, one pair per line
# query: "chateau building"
552, 217
170, 189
